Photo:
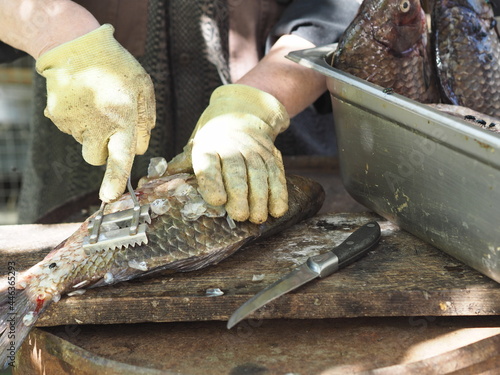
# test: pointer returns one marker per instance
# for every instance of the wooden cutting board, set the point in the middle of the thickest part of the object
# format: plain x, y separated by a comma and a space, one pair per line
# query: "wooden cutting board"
402, 276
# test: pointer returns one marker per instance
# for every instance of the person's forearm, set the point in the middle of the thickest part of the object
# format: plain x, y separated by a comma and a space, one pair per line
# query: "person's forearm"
293, 85
36, 26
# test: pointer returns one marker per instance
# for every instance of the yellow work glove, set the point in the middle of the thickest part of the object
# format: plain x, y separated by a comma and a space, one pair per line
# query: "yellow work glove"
232, 153
100, 94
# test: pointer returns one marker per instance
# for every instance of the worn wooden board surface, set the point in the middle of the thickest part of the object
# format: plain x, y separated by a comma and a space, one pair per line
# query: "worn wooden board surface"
403, 276
398, 345
25, 245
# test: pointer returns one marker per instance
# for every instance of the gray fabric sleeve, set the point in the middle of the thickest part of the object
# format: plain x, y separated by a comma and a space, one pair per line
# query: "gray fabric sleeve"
318, 21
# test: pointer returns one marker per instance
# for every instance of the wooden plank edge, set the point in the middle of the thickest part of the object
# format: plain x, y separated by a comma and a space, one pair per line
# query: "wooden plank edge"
75, 310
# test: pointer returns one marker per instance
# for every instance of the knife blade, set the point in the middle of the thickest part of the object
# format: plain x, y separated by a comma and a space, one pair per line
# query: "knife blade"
354, 247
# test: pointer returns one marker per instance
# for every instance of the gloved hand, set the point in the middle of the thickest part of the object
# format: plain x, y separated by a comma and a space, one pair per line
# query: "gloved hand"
232, 153
101, 95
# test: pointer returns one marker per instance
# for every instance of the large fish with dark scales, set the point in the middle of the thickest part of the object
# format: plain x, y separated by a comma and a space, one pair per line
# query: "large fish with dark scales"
185, 234
467, 48
386, 44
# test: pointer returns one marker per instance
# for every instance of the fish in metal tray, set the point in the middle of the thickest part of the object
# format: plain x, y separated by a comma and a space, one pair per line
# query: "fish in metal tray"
185, 234
387, 44
457, 73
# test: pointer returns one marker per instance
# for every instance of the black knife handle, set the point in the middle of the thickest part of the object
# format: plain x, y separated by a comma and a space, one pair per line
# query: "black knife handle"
358, 244
353, 248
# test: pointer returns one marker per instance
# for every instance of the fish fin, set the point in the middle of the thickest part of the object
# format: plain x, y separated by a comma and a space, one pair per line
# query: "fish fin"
198, 262
182, 265
15, 304
188, 264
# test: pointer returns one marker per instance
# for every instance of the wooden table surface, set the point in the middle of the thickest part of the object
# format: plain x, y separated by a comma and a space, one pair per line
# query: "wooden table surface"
402, 276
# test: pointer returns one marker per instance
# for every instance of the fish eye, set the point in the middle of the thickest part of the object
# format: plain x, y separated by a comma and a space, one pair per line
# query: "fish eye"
404, 6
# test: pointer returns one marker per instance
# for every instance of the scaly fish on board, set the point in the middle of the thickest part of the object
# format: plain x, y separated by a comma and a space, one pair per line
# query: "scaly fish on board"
386, 44
467, 48
184, 234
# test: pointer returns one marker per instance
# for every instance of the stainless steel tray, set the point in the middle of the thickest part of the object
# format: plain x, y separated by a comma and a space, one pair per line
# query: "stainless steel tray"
435, 175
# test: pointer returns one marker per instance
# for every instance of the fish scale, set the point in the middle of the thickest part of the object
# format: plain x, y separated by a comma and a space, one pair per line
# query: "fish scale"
467, 48
184, 238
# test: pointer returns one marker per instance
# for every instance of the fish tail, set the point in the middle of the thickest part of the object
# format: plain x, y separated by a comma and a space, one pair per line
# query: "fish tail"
17, 316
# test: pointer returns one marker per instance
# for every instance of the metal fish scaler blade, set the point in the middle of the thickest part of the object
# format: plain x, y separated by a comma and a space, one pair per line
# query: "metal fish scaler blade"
118, 229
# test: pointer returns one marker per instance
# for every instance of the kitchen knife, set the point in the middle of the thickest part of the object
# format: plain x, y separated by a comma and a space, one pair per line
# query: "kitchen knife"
353, 248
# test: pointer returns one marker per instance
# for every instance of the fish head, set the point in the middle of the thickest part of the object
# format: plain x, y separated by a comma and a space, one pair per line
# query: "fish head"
382, 28
387, 44
399, 25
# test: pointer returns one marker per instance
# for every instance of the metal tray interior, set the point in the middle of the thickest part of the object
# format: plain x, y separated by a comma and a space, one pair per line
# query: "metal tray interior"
433, 174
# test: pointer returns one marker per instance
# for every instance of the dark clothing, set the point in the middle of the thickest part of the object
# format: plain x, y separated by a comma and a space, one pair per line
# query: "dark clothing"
318, 21
9, 54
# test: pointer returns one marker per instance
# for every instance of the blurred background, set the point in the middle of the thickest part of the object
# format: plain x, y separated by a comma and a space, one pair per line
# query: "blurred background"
15, 109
